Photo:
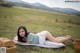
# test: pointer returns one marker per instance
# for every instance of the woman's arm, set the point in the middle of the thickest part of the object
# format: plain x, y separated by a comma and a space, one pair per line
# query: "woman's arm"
15, 41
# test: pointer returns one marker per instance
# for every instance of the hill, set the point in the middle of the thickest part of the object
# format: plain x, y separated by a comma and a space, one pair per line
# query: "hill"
67, 10
58, 24
44, 7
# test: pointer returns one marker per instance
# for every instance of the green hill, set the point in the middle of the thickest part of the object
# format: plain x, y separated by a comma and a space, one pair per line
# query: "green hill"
38, 20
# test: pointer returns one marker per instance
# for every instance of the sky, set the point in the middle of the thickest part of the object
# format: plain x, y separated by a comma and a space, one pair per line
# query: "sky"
57, 3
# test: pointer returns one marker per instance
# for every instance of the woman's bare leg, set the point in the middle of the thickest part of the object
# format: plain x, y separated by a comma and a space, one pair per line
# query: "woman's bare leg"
58, 40
64, 38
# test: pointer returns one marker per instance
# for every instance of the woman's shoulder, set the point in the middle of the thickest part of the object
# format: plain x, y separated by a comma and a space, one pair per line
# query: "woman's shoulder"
30, 34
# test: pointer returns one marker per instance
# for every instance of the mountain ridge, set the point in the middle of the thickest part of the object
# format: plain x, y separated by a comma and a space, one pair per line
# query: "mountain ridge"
44, 7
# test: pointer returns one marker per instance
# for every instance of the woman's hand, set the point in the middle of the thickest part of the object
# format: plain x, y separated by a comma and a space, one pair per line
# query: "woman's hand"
15, 41
28, 42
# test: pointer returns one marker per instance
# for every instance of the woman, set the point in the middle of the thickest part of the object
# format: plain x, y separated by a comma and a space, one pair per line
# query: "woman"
24, 36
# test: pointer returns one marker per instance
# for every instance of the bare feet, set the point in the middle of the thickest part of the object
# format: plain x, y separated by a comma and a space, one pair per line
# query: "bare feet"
67, 36
70, 38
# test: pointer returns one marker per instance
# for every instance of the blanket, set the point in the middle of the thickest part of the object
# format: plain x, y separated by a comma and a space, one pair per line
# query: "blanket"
47, 44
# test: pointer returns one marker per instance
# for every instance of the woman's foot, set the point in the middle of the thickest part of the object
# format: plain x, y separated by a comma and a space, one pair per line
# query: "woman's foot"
71, 38
67, 36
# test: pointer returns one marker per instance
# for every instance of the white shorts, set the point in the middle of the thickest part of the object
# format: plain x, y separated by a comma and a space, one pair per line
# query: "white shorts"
42, 37
43, 41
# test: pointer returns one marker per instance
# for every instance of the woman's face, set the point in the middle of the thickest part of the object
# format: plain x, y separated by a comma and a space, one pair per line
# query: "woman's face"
22, 32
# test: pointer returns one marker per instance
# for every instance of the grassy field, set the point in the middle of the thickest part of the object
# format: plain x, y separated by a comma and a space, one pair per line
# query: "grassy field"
35, 21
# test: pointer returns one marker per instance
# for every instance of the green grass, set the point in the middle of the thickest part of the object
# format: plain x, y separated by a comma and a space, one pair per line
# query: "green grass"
36, 21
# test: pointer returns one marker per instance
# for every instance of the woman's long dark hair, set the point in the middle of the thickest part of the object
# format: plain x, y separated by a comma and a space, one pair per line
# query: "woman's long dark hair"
22, 39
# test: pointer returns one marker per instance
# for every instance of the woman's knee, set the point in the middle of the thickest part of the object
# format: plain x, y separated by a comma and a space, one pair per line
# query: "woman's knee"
46, 31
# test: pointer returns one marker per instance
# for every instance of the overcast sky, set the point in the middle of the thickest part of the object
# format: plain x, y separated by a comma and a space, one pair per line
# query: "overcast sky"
57, 3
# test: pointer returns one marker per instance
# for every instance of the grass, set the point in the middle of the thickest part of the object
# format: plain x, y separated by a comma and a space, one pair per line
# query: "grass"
36, 21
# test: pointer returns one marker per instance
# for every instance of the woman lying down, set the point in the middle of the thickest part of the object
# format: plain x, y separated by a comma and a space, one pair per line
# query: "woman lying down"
42, 38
